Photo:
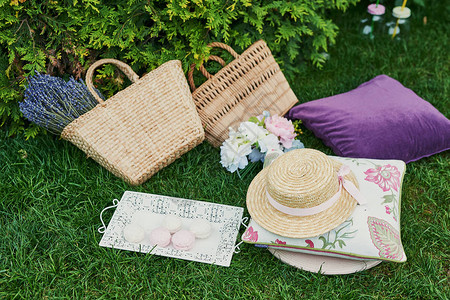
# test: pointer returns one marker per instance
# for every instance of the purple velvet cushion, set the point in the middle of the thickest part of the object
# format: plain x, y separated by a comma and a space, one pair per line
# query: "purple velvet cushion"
379, 119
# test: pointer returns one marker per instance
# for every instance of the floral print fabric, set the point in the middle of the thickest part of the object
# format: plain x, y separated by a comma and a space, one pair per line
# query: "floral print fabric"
371, 232
386, 238
387, 177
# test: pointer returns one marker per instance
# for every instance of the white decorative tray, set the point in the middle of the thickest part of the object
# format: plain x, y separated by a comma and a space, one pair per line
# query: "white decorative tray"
149, 210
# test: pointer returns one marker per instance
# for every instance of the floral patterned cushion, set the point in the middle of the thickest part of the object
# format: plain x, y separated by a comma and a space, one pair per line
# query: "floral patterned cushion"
371, 232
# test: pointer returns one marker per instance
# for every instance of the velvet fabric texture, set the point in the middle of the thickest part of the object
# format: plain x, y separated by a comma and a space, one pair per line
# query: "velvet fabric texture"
379, 119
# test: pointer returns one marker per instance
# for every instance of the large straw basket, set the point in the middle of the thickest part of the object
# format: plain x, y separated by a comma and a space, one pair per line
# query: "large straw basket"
247, 86
142, 128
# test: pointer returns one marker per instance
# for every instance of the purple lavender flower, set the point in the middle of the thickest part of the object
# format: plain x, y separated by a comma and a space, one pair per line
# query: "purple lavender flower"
53, 103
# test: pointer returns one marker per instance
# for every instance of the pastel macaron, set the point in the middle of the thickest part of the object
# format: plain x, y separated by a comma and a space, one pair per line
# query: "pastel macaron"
133, 233
183, 240
160, 236
200, 228
172, 223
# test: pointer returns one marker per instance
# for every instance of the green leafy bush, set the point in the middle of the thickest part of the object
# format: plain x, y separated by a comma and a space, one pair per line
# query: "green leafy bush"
64, 37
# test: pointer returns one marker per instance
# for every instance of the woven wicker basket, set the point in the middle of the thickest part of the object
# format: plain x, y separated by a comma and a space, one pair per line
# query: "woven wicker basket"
142, 128
247, 86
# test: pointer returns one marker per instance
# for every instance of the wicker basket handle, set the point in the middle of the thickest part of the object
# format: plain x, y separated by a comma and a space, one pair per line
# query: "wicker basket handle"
214, 58
203, 70
126, 69
224, 47
211, 57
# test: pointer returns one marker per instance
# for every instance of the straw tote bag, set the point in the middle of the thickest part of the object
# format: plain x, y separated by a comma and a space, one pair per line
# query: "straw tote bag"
247, 86
142, 128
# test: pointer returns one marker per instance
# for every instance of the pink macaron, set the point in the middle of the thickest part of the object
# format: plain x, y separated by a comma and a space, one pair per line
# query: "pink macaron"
160, 236
183, 240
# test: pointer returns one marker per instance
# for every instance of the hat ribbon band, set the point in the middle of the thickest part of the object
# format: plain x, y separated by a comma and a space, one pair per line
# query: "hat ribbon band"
302, 212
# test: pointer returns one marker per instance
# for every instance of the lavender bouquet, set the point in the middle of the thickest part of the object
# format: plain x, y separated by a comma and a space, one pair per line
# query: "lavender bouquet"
52, 103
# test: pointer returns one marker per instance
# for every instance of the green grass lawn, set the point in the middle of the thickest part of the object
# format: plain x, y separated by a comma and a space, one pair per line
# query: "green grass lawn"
51, 197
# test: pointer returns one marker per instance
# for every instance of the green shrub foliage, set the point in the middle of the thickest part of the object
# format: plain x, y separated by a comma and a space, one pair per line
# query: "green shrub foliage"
63, 37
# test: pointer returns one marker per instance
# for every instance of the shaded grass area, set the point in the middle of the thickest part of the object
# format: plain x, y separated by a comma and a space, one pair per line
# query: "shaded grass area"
51, 197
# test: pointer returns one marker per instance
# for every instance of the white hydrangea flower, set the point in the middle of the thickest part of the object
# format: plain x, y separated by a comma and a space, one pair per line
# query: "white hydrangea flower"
252, 132
234, 151
270, 142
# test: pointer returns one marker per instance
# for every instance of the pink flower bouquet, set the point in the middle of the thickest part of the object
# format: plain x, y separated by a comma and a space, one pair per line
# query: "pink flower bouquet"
257, 137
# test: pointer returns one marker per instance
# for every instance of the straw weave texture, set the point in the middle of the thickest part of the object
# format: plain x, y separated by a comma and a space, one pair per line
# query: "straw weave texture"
313, 169
247, 86
142, 128
301, 178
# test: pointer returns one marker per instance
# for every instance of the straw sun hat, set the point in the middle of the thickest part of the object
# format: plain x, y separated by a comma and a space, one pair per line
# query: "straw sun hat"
303, 193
